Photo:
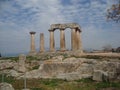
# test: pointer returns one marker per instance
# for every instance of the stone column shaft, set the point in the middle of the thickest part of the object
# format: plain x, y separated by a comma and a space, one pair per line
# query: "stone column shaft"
79, 43
52, 41
73, 39
32, 42
42, 49
32, 51
62, 40
78, 39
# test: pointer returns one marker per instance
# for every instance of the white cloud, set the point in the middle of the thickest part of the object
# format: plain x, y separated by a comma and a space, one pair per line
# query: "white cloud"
19, 17
30, 15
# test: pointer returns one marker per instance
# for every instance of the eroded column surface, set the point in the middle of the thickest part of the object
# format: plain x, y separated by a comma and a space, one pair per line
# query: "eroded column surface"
32, 51
79, 43
42, 48
62, 40
52, 41
73, 39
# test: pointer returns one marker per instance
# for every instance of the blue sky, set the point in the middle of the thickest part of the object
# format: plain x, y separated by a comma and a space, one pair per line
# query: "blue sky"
19, 17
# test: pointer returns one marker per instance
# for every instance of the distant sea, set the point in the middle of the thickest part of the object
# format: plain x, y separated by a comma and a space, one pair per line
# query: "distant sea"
18, 53
12, 54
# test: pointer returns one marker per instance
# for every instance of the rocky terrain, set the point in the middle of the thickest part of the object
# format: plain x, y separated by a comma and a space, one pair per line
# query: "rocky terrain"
64, 66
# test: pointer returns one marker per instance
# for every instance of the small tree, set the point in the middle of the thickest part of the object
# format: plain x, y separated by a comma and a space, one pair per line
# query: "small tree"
107, 48
0, 55
118, 50
113, 13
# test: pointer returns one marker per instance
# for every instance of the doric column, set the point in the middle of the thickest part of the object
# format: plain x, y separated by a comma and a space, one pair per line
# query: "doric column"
78, 39
32, 51
73, 39
52, 41
62, 40
79, 43
42, 49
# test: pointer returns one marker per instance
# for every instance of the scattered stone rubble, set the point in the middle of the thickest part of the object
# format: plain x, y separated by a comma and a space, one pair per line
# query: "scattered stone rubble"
70, 68
77, 68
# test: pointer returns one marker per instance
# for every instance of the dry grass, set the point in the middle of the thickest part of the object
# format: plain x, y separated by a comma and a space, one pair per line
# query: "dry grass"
57, 84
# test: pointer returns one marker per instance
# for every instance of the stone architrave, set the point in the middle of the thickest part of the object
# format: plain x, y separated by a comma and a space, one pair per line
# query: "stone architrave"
52, 41
21, 63
32, 51
42, 49
62, 40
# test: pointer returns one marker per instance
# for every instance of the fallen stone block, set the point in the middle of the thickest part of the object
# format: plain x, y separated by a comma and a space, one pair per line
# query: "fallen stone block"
6, 86
99, 75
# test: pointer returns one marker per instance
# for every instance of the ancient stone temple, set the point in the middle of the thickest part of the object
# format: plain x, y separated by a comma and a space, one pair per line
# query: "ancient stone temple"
75, 36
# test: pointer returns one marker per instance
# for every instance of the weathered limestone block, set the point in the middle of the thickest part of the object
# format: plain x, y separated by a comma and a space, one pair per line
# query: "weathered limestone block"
4, 64
70, 60
99, 75
112, 76
118, 69
21, 63
85, 69
6, 86
13, 73
106, 66
111, 66
55, 68
69, 76
58, 58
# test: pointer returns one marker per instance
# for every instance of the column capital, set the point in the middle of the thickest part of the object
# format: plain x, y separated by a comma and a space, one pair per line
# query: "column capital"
51, 30
78, 29
62, 28
32, 32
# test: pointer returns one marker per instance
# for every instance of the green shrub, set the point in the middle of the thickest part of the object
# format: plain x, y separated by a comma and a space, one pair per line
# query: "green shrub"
50, 82
36, 89
31, 58
35, 67
92, 57
8, 79
107, 84
85, 80
11, 58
